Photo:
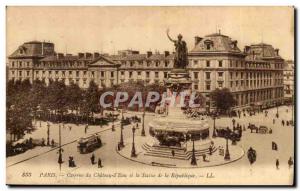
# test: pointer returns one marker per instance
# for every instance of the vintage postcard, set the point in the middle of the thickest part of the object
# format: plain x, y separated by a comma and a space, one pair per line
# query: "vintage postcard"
150, 95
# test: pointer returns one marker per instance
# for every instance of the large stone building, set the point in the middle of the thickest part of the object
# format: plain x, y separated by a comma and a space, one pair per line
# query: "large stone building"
288, 79
254, 75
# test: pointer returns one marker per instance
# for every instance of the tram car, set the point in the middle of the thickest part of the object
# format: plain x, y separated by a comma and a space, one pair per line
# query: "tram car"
89, 144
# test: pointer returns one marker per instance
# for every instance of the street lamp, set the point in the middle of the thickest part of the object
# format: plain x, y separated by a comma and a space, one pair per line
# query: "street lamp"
227, 154
214, 131
121, 138
133, 154
60, 161
143, 124
194, 160
48, 134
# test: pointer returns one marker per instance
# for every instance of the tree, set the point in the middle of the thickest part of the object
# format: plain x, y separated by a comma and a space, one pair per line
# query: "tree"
223, 99
74, 96
18, 118
90, 104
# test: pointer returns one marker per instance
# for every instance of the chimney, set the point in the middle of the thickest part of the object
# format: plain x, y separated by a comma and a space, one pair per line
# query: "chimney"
149, 53
60, 55
277, 52
80, 55
96, 55
197, 39
167, 53
246, 49
88, 55
234, 43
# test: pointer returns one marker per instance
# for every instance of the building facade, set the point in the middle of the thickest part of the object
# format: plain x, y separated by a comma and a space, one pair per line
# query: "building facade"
254, 75
288, 79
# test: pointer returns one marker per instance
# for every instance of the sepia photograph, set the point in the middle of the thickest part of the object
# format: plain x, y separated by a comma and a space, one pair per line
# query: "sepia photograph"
150, 95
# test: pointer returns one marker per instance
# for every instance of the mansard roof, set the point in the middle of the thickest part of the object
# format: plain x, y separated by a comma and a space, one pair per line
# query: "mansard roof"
216, 42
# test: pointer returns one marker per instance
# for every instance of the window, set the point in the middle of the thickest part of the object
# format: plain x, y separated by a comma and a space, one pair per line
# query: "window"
157, 63
122, 73
37, 73
102, 73
207, 86
207, 63
230, 75
63, 73
28, 73
70, 73
112, 74
20, 73
77, 73
230, 63
147, 74
13, 64
93, 74
166, 64
196, 87
220, 84
156, 74
13, 73
165, 74
139, 73
130, 74
196, 75
220, 74
207, 75
220, 63
27, 64
84, 73
131, 64
208, 46
148, 63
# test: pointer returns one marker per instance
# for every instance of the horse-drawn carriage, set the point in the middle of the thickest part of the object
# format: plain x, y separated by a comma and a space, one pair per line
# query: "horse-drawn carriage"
232, 135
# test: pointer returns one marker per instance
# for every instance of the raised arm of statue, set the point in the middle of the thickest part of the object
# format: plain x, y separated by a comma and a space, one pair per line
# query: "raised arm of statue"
169, 36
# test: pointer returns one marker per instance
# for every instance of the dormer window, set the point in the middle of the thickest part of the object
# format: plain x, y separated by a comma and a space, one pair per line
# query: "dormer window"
208, 44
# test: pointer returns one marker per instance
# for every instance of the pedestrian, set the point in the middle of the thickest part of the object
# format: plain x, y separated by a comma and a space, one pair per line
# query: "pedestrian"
204, 157
52, 142
273, 121
210, 150
99, 163
93, 159
173, 153
290, 162
277, 164
70, 128
282, 122
244, 128
86, 128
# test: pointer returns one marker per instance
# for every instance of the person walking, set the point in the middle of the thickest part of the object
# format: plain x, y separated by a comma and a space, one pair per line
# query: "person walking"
99, 163
273, 121
282, 122
277, 164
290, 162
173, 153
93, 159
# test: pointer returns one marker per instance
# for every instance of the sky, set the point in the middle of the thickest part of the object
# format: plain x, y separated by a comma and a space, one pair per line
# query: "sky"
109, 29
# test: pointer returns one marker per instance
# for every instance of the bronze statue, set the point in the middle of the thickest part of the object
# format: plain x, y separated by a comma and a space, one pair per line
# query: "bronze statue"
180, 60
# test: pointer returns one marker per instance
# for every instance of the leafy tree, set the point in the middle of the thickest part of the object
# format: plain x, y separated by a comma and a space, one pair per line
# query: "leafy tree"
90, 104
223, 99
74, 96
